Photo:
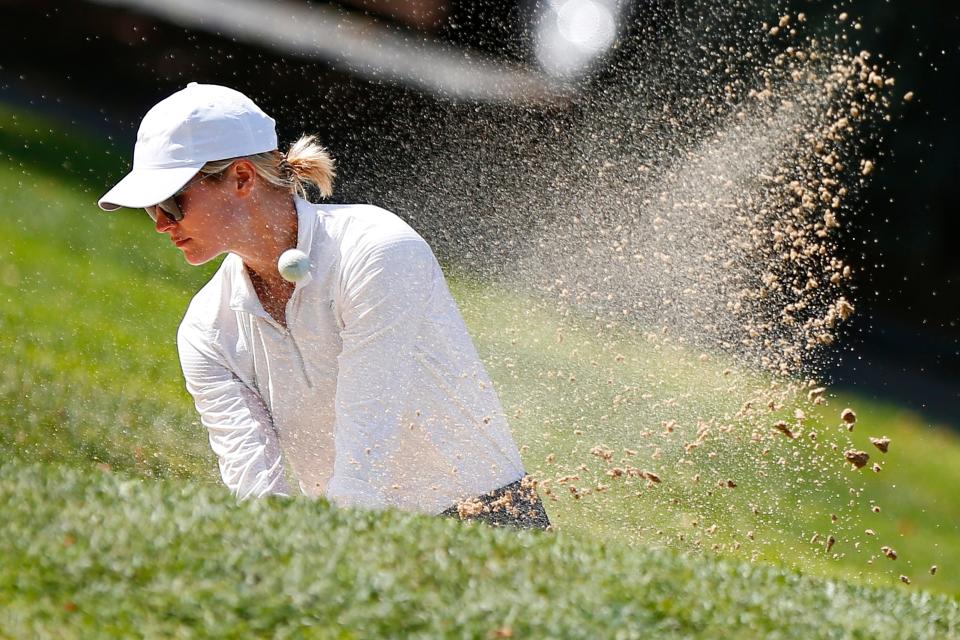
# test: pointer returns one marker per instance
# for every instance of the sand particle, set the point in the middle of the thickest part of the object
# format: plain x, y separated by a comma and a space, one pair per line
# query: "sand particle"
469, 508
844, 308
881, 443
856, 458
889, 552
652, 477
784, 428
602, 452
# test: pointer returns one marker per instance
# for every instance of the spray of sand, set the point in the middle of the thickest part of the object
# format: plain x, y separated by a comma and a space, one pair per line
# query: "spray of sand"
683, 225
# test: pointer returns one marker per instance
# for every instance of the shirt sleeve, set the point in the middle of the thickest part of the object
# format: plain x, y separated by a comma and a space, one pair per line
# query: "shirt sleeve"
239, 426
385, 297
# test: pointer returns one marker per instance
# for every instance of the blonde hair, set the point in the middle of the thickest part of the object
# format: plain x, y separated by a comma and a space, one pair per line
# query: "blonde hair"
304, 163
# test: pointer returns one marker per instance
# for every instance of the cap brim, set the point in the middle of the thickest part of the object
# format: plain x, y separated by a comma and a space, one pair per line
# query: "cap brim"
147, 187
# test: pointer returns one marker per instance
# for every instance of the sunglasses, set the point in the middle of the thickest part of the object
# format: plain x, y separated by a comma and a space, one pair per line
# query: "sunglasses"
170, 206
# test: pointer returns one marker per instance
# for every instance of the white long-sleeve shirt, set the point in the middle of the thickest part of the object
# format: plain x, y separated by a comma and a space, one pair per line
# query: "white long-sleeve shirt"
373, 394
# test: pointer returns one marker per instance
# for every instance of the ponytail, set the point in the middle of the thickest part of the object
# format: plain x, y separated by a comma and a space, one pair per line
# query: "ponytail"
306, 162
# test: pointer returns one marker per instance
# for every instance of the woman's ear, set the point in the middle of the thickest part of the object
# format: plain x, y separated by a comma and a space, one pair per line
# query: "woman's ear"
243, 175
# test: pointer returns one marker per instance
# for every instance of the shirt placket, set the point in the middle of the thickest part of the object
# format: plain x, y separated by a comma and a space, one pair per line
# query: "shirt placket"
287, 333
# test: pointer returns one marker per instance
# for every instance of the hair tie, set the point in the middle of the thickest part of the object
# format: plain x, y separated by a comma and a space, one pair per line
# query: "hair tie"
286, 169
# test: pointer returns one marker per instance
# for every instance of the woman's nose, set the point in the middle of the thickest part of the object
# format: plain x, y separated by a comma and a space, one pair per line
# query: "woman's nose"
164, 222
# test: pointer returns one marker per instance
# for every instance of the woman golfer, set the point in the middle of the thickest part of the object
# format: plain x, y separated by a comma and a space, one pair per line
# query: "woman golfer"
359, 378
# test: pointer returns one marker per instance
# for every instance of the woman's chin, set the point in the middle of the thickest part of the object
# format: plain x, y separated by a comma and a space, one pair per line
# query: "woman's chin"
197, 258
194, 258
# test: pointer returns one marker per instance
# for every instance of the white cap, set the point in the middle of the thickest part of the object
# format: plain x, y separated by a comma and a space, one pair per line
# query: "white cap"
180, 134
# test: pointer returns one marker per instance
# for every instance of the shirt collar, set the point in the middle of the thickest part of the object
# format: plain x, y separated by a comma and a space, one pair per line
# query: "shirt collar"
243, 296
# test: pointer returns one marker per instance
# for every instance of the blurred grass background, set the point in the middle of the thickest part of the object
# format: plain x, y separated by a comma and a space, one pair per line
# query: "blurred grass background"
89, 378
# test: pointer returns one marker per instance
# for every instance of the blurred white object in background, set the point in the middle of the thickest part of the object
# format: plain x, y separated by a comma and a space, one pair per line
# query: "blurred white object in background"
572, 35
360, 45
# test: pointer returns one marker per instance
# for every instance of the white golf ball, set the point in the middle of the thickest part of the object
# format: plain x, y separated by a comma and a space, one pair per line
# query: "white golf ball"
293, 265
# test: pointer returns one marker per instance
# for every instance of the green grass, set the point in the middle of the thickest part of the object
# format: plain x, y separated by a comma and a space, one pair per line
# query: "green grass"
99, 555
89, 380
